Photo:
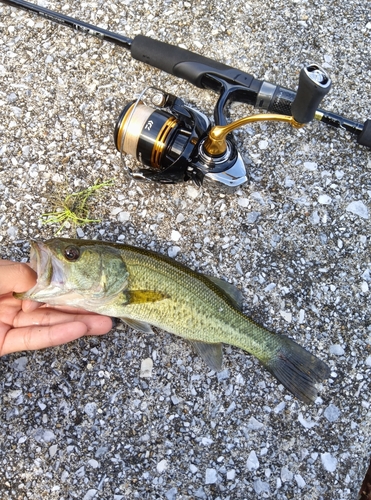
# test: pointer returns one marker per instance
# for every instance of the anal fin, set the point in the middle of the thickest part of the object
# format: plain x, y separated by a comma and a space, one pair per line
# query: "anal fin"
212, 354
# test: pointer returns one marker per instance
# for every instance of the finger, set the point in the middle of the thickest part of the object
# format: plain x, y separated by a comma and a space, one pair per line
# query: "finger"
47, 316
31, 338
15, 277
29, 305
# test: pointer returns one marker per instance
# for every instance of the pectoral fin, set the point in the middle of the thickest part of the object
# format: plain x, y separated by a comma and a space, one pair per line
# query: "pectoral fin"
232, 291
138, 325
212, 354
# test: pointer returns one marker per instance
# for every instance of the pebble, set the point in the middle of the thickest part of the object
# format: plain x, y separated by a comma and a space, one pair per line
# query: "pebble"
324, 199
171, 494
310, 165
146, 368
162, 466
253, 424
231, 475
287, 316
173, 251
90, 494
93, 463
261, 486
308, 424
90, 409
243, 202
337, 350
329, 462
123, 216
300, 481
332, 413
252, 217
175, 235
53, 450
358, 208
211, 476
280, 407
286, 475
252, 461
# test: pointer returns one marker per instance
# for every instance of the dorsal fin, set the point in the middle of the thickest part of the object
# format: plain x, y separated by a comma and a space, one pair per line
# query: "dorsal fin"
232, 291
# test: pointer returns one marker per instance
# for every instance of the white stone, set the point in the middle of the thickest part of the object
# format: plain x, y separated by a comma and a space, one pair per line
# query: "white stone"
90, 494
243, 202
173, 251
332, 413
254, 424
193, 468
299, 481
252, 462
162, 466
329, 462
263, 144
336, 349
192, 192
53, 450
324, 199
280, 407
123, 216
206, 441
261, 486
286, 475
231, 474
211, 476
146, 368
287, 316
308, 424
310, 165
175, 235
358, 208
93, 463
90, 409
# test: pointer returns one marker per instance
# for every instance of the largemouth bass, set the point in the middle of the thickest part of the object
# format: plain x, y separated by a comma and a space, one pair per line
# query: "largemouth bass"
144, 288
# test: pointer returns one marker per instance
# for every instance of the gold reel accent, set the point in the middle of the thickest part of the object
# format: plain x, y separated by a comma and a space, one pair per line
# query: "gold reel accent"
159, 144
216, 143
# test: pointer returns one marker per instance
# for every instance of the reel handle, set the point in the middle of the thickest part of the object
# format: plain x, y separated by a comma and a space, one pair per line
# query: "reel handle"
314, 84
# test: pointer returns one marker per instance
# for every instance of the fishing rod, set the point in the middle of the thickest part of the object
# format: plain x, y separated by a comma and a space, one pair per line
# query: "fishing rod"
175, 143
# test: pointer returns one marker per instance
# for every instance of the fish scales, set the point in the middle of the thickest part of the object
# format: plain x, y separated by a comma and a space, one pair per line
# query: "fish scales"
194, 307
145, 288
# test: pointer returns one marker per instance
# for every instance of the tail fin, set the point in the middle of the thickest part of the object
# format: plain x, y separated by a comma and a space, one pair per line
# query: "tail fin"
297, 369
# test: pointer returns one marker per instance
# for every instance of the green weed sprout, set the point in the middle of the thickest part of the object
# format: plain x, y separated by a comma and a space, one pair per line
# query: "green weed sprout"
74, 208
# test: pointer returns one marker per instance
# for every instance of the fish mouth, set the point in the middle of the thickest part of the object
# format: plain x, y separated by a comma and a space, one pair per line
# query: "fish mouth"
50, 274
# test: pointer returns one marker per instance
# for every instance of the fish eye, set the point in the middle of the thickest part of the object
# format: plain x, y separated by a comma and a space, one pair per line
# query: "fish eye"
72, 253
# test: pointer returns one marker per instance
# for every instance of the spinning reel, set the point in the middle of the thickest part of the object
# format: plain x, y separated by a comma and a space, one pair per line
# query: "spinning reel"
175, 143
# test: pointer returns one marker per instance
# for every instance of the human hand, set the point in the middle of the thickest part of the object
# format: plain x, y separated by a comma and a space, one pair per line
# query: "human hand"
26, 325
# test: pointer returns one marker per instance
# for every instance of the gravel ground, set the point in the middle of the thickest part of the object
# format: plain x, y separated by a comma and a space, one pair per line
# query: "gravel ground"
79, 421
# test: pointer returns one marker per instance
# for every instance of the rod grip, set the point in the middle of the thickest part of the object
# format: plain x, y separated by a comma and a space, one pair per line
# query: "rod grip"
314, 84
188, 65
